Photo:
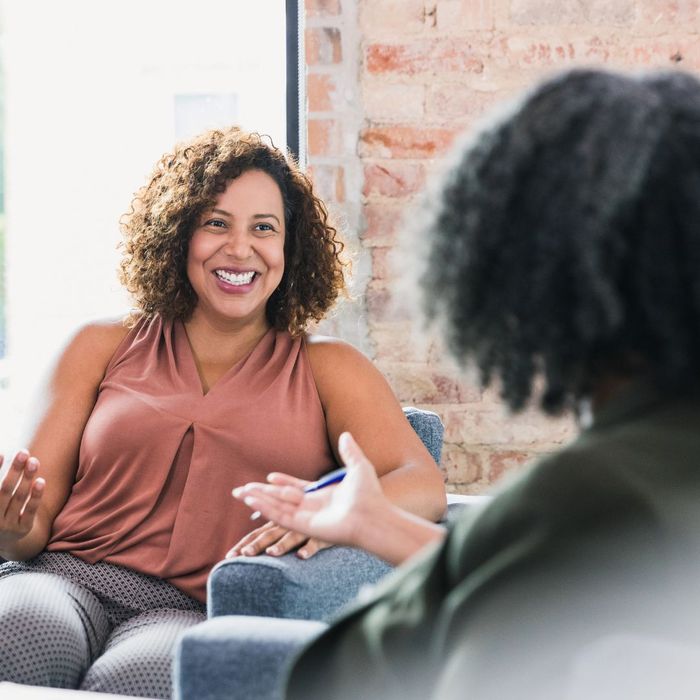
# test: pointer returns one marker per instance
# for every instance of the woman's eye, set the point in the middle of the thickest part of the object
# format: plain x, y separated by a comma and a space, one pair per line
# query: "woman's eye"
215, 223
265, 228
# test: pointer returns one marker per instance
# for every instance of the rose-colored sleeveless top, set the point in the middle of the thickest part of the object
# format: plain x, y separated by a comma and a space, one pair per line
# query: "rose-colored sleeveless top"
158, 458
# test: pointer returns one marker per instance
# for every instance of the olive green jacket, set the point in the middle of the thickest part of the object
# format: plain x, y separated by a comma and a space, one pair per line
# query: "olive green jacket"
598, 542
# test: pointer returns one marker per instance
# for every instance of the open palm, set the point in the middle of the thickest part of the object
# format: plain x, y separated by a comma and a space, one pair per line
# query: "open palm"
335, 513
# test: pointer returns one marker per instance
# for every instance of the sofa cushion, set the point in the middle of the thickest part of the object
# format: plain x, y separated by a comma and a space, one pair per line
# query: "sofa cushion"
307, 589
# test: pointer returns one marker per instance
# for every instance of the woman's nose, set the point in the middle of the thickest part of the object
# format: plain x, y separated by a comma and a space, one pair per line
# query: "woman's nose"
238, 245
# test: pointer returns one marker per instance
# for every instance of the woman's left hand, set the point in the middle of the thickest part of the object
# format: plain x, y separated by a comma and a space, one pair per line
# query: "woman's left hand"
275, 540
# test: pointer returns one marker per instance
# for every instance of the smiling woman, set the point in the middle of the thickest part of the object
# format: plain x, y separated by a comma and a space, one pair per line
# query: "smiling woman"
210, 383
227, 167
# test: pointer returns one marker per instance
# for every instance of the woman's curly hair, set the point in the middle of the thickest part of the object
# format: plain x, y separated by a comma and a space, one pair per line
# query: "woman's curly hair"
566, 242
185, 183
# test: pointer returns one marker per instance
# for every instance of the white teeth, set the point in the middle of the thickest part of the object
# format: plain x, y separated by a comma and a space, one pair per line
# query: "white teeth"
236, 279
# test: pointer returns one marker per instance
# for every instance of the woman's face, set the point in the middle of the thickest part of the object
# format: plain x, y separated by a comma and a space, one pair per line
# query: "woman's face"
235, 259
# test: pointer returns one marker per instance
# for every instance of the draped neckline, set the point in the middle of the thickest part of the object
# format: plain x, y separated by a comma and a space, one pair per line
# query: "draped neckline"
186, 359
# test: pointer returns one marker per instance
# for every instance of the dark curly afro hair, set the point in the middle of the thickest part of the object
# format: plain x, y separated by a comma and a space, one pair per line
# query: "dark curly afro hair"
164, 213
566, 242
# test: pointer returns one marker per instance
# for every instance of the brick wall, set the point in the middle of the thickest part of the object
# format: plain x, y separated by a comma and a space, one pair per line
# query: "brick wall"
390, 85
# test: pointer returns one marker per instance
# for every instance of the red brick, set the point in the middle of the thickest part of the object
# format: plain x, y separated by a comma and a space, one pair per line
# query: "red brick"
399, 341
434, 56
382, 307
405, 141
491, 424
393, 179
664, 12
391, 17
595, 49
461, 466
450, 101
385, 101
666, 53
322, 92
455, 389
340, 185
382, 264
541, 53
524, 52
500, 463
322, 8
382, 221
329, 182
324, 137
464, 15
420, 384
563, 12
323, 46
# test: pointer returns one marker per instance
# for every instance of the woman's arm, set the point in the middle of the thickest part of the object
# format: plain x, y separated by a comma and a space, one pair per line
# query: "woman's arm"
357, 399
355, 513
56, 428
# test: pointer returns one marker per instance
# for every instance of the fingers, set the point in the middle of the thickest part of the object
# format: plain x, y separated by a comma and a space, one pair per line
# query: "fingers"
291, 515
288, 494
276, 503
26, 516
280, 479
258, 541
16, 484
13, 476
22, 490
288, 542
312, 547
20, 494
362, 471
249, 538
351, 453
270, 539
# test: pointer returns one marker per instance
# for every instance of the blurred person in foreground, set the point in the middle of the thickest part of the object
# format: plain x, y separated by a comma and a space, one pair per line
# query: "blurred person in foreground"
563, 259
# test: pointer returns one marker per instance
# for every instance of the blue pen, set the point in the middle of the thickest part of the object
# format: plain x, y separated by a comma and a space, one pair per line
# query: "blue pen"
333, 477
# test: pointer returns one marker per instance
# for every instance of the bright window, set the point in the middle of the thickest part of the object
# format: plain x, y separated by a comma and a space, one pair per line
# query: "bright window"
94, 93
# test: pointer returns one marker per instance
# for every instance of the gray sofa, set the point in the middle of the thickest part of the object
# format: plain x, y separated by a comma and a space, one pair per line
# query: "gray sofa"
263, 609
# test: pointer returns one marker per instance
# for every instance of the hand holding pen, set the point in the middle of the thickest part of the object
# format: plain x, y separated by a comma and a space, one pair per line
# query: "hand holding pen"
333, 514
334, 477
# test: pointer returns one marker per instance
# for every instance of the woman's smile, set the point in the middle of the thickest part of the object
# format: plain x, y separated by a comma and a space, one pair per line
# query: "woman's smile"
235, 282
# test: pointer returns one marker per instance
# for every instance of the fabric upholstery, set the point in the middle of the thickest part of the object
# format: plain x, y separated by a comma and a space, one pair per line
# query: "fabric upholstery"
240, 657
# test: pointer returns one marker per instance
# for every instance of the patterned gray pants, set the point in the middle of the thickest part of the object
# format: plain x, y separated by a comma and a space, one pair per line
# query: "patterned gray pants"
68, 624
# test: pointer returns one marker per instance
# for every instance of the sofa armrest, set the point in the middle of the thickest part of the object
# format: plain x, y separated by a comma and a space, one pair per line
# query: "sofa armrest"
429, 428
289, 587
239, 657
303, 589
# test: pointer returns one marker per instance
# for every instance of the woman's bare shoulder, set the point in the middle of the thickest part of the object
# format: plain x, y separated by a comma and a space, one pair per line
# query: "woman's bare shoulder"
92, 345
339, 367
102, 336
325, 348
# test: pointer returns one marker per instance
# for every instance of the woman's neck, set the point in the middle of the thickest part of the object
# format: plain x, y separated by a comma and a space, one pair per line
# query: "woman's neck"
223, 343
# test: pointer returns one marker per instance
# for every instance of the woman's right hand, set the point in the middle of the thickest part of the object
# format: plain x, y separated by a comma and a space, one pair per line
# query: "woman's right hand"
20, 493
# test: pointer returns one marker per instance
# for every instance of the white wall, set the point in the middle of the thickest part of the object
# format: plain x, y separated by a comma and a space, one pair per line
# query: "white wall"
90, 88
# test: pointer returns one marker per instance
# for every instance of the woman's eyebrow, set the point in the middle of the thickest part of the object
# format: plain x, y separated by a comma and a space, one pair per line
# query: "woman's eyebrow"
266, 216
223, 212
